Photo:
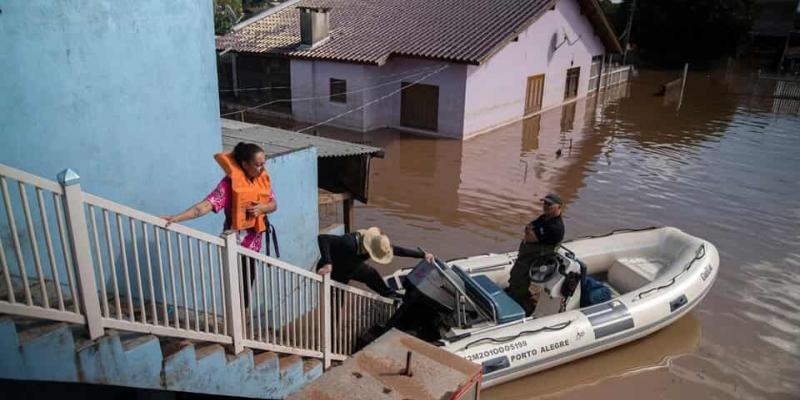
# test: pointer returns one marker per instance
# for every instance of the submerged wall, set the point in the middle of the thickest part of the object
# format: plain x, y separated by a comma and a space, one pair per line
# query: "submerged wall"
496, 90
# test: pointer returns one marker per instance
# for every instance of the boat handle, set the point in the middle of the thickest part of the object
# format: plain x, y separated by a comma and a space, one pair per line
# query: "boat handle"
699, 254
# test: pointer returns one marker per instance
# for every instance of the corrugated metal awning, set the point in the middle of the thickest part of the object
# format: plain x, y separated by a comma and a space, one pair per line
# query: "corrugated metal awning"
276, 141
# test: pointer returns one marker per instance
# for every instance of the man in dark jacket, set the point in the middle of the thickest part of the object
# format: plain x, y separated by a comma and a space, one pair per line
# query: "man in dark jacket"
345, 256
542, 237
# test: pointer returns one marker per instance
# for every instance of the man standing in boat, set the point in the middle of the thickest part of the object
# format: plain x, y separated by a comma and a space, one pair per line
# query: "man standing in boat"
345, 256
541, 238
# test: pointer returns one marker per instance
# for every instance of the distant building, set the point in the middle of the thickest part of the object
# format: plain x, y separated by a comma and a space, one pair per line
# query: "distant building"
775, 35
445, 68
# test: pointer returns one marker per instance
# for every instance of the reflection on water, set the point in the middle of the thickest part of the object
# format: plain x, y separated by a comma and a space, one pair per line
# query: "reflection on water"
724, 168
651, 354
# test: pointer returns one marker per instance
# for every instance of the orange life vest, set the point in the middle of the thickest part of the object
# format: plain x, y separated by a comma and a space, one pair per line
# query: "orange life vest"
246, 192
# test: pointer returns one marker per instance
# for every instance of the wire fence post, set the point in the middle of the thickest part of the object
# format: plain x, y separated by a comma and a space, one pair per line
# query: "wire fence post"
683, 84
81, 252
325, 301
231, 281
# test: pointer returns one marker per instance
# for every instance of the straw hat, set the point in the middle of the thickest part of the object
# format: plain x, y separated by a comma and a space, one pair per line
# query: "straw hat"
377, 245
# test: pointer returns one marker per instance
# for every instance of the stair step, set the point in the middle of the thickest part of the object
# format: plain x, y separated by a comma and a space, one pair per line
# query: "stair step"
207, 349
81, 336
232, 358
288, 362
134, 342
312, 369
171, 347
33, 330
132, 359
310, 364
265, 358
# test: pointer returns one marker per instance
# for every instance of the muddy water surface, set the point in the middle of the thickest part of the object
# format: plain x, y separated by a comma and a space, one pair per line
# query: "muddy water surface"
724, 167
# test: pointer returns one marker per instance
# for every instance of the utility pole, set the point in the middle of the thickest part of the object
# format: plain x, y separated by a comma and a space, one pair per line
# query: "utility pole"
628, 29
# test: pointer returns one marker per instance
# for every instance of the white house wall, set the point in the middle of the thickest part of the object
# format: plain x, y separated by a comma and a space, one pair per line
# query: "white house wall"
311, 79
495, 90
380, 87
386, 113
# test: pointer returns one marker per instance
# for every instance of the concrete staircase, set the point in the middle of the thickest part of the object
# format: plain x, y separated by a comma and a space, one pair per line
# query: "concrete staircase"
49, 351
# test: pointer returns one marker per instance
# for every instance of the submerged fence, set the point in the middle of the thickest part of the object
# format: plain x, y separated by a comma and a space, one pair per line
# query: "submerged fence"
71, 256
610, 76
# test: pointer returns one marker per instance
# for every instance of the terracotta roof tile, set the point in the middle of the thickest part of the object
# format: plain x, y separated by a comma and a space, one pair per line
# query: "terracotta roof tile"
370, 31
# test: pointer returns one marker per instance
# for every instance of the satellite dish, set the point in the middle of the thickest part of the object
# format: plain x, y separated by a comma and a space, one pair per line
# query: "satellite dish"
551, 50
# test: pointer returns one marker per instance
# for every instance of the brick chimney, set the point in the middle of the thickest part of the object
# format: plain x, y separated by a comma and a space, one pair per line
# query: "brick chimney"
313, 25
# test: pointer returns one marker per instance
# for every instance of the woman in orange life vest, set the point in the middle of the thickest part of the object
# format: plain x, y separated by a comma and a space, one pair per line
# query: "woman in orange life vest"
246, 180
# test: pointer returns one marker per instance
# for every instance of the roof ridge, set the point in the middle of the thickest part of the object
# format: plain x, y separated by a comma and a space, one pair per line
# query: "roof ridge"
263, 14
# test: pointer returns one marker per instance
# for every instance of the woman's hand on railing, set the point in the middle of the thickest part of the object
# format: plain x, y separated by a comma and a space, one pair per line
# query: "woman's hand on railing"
169, 218
429, 258
326, 269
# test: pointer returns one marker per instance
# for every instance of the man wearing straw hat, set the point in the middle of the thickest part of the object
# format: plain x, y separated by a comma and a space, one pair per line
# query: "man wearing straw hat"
345, 256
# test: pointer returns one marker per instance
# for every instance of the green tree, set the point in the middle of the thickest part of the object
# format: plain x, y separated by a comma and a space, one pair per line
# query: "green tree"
669, 32
226, 14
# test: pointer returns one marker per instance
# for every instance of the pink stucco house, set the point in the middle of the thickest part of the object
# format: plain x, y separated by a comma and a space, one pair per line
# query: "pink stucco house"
449, 68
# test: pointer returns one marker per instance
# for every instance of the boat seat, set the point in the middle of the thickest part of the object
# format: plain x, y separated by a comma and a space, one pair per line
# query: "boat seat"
628, 274
490, 296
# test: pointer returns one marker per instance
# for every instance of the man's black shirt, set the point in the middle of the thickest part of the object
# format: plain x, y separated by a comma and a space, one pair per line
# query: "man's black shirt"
548, 230
344, 252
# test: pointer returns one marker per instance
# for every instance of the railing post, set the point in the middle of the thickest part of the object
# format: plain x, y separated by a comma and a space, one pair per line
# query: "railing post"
81, 251
347, 210
231, 281
326, 304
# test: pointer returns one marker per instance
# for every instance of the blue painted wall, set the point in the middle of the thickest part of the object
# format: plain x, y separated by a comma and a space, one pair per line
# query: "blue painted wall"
124, 92
138, 361
294, 180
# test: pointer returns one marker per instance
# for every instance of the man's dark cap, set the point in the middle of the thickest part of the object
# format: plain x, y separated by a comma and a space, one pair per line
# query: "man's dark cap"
553, 198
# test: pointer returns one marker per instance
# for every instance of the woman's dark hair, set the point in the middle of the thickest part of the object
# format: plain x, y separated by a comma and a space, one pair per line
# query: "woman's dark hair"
245, 152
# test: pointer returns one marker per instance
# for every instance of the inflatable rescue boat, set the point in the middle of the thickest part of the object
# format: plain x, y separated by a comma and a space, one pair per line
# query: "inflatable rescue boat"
652, 277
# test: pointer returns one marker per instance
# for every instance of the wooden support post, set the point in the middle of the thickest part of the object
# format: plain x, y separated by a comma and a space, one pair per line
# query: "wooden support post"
326, 304
347, 208
683, 84
600, 74
234, 77
81, 251
231, 280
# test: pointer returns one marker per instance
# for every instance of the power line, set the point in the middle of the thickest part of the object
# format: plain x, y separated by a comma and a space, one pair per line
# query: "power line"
254, 89
418, 71
290, 100
374, 101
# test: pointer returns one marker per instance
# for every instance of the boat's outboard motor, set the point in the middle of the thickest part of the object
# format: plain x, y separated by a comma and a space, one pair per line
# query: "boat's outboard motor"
558, 279
428, 299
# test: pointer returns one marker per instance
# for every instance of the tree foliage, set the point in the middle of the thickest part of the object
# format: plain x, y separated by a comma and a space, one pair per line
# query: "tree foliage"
670, 32
226, 14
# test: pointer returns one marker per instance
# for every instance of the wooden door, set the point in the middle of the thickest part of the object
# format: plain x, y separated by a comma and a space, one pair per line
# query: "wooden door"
534, 94
571, 85
419, 106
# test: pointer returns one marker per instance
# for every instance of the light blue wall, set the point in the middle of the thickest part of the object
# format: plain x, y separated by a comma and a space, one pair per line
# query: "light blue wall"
124, 92
294, 180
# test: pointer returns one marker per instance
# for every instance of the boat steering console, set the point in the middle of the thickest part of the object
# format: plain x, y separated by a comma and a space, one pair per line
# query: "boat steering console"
554, 276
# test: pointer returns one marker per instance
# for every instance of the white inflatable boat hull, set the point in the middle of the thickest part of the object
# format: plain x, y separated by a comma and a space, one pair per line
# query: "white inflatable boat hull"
662, 274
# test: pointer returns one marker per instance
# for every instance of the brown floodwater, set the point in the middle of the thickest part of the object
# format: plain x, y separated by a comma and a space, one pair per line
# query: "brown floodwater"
724, 167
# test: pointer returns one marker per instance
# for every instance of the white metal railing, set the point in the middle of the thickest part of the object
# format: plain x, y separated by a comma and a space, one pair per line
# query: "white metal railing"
354, 312
285, 305
42, 287
610, 77
74, 257
162, 281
